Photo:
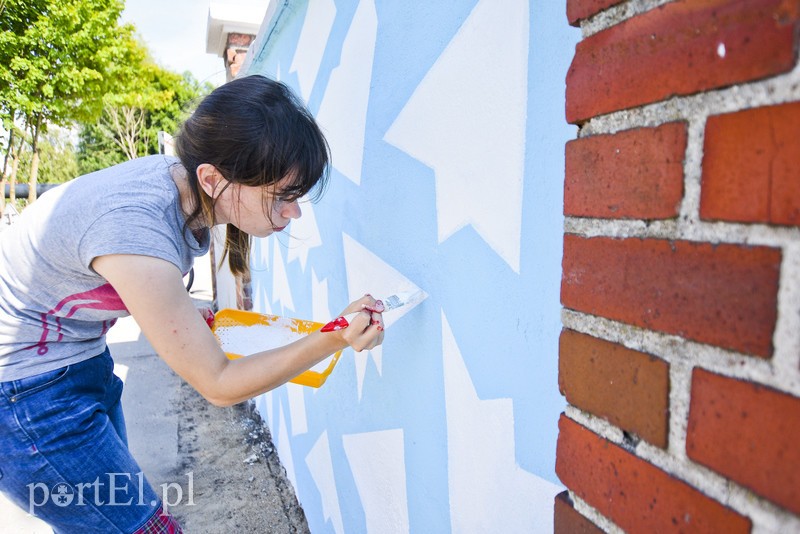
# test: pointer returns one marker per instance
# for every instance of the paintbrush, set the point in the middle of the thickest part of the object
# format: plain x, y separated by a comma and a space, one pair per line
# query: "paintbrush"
392, 302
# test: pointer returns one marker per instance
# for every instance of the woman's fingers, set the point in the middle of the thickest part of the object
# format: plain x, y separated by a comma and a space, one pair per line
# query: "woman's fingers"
365, 331
377, 340
376, 323
367, 302
378, 307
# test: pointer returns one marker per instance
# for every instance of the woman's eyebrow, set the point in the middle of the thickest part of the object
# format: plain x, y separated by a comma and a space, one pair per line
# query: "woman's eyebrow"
293, 191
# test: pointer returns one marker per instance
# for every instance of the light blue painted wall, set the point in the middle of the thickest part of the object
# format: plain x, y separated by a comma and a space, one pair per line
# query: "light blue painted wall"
377, 442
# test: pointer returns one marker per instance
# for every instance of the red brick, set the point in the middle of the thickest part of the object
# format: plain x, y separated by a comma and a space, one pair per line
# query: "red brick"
751, 166
235, 60
635, 174
241, 40
568, 521
748, 433
634, 494
583, 9
724, 295
628, 388
672, 50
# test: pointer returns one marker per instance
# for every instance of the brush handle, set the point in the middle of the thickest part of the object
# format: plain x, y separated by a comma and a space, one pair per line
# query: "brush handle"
340, 323
343, 321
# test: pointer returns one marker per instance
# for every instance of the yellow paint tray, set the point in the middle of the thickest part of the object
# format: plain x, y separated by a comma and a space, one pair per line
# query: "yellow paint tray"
228, 318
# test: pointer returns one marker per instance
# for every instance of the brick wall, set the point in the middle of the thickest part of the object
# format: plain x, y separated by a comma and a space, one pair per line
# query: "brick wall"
680, 353
235, 52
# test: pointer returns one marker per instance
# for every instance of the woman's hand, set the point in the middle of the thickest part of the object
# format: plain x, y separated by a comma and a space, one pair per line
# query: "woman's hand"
365, 331
153, 292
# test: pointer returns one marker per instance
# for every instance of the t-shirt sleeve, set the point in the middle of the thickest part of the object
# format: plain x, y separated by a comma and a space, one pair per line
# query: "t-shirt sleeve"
136, 230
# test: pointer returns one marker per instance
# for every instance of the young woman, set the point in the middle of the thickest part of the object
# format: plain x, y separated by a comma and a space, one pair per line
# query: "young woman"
117, 242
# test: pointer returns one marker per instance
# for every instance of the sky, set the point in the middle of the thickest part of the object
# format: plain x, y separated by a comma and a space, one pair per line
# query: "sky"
175, 33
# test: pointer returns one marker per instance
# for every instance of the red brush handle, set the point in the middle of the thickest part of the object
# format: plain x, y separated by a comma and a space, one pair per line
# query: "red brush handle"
339, 323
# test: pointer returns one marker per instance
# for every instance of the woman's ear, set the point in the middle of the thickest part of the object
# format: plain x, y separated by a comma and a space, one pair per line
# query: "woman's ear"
210, 180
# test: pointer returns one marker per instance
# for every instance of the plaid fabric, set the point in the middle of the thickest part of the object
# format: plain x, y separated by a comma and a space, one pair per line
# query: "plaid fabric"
160, 523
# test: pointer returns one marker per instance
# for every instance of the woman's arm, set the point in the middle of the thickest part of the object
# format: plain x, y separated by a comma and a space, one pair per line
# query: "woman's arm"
152, 290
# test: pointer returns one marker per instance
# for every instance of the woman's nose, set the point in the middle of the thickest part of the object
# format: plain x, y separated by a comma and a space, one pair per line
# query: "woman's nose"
291, 210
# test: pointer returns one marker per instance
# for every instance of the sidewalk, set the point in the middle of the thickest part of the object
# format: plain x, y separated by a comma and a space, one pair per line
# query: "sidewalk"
217, 465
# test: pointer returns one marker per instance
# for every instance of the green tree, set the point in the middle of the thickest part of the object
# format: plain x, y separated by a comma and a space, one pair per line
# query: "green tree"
155, 100
96, 150
185, 93
56, 62
123, 119
16, 141
58, 161
12, 24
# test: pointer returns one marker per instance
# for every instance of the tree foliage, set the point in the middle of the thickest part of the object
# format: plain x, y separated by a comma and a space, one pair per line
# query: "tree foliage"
58, 57
59, 162
56, 62
71, 63
156, 100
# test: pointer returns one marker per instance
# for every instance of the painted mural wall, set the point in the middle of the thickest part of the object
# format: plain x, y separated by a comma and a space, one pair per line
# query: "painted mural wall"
446, 124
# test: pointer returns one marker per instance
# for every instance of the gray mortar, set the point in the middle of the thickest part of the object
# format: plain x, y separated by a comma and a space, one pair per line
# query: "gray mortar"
616, 14
597, 518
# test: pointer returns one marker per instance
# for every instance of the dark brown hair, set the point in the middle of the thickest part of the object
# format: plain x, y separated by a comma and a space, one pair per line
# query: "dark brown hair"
255, 132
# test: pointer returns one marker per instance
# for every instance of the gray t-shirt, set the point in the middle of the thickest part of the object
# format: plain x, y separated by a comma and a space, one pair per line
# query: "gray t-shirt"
54, 309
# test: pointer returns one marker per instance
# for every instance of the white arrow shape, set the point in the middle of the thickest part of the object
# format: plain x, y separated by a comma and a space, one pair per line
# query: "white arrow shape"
367, 273
343, 111
281, 291
320, 310
303, 236
260, 264
466, 120
284, 447
297, 408
487, 487
311, 44
377, 461
320, 465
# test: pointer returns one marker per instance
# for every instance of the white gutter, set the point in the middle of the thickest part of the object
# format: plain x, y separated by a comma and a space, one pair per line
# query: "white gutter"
224, 19
275, 10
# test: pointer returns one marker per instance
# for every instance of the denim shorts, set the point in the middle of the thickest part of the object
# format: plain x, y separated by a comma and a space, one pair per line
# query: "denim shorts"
63, 451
